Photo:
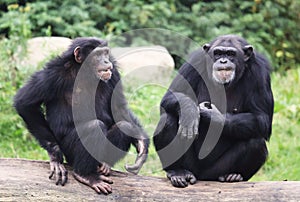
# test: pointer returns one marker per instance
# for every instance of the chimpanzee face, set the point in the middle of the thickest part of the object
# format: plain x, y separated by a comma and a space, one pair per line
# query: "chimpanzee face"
99, 64
223, 69
229, 56
102, 63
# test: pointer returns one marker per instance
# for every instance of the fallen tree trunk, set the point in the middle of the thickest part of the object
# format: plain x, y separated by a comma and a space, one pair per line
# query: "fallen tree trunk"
28, 180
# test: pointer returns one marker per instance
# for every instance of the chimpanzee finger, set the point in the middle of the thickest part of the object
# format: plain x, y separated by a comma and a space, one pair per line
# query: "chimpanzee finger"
221, 179
57, 174
51, 174
230, 177
183, 133
180, 130
52, 169
191, 178
106, 169
181, 182
196, 127
64, 175
105, 179
174, 182
64, 179
103, 188
213, 107
202, 106
190, 132
172, 179
96, 188
107, 187
234, 177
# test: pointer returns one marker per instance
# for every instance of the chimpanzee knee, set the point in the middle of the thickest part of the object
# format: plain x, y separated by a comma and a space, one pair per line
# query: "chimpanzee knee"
254, 157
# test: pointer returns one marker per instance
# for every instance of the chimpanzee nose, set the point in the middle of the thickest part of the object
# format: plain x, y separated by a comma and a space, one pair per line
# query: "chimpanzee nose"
223, 61
108, 65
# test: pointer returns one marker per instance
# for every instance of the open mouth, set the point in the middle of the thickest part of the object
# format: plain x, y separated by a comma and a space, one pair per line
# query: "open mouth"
104, 74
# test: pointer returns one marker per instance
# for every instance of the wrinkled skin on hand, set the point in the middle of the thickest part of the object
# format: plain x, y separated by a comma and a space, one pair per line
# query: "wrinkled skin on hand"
104, 169
208, 110
188, 120
57, 168
181, 178
98, 182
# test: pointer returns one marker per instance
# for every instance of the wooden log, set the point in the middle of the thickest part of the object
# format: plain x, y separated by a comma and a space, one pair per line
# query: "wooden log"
23, 180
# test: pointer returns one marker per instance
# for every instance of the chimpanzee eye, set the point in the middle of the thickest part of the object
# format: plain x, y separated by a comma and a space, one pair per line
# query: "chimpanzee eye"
230, 53
218, 54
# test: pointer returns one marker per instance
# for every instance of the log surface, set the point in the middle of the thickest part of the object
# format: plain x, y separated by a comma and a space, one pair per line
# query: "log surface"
27, 180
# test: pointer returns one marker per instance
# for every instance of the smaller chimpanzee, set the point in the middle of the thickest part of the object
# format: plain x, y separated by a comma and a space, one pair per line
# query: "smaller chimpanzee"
75, 107
216, 115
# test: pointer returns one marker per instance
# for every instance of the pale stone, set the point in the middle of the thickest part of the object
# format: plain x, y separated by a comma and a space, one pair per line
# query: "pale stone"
142, 64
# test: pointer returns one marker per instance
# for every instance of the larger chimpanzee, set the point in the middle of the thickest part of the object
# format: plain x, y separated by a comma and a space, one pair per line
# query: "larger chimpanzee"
216, 115
87, 140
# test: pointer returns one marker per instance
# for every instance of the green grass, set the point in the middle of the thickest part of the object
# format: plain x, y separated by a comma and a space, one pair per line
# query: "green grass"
284, 146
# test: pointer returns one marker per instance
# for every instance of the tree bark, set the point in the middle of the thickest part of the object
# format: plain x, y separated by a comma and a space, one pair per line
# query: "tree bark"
23, 180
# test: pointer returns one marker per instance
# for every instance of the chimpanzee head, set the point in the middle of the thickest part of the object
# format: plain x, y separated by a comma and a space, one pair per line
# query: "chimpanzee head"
230, 55
95, 55
99, 63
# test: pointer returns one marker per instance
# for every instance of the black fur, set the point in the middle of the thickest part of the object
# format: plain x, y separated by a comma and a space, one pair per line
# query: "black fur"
247, 116
52, 87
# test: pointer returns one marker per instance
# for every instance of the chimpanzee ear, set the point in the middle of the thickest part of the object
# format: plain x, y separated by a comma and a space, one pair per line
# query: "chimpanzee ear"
77, 54
206, 47
248, 51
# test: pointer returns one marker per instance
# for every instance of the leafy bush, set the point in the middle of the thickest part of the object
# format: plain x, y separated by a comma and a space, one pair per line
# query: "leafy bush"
272, 26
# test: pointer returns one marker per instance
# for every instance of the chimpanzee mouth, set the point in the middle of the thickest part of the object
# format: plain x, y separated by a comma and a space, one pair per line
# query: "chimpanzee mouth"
104, 75
224, 75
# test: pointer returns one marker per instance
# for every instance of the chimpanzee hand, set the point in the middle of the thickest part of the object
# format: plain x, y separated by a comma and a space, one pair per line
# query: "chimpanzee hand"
181, 178
103, 169
188, 120
57, 167
208, 110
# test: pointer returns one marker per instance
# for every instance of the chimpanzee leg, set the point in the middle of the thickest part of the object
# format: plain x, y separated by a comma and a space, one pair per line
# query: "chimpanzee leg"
239, 163
119, 137
85, 153
173, 151
100, 145
164, 135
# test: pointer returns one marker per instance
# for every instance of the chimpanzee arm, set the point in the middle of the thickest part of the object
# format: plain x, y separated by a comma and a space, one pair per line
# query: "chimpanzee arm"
181, 101
28, 103
256, 123
139, 137
247, 125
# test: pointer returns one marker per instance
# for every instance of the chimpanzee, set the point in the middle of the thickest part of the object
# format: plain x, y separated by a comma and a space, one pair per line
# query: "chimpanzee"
83, 117
216, 115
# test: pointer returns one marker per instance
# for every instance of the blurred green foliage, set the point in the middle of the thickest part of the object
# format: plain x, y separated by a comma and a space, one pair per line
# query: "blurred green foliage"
273, 26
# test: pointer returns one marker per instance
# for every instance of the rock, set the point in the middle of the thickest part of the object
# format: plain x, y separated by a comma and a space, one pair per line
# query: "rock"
146, 64
41, 48
27, 180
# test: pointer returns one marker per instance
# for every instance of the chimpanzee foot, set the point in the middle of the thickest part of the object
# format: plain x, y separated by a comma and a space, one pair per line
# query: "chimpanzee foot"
233, 177
181, 178
100, 183
59, 172
104, 169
